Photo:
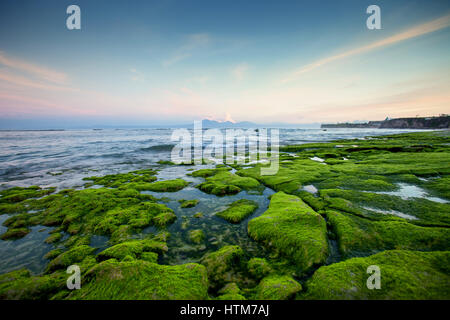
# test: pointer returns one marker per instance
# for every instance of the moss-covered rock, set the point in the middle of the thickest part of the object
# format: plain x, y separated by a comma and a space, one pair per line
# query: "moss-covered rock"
196, 236
20, 285
198, 215
188, 203
230, 291
117, 180
16, 233
72, 256
138, 280
293, 229
238, 210
259, 268
159, 186
224, 183
404, 275
277, 287
223, 264
132, 248
361, 236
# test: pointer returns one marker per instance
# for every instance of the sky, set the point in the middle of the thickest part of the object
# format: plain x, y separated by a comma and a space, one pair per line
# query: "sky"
172, 62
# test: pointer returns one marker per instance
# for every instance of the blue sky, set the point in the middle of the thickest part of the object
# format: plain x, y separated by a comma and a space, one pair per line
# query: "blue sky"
156, 62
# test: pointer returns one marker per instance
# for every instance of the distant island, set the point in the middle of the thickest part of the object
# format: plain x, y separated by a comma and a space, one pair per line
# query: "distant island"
439, 122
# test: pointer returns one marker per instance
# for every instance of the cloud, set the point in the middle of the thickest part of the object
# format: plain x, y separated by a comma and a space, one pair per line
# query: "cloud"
192, 43
240, 71
413, 32
38, 71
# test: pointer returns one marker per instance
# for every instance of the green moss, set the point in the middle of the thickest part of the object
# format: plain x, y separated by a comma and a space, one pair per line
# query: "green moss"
196, 236
238, 210
18, 194
132, 248
164, 218
277, 287
439, 187
427, 212
55, 237
224, 182
231, 291
72, 256
138, 279
404, 275
188, 203
159, 186
223, 264
20, 285
198, 215
13, 234
293, 229
117, 180
360, 236
259, 268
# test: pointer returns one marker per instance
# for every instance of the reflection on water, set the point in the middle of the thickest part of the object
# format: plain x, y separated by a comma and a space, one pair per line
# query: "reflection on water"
407, 191
27, 252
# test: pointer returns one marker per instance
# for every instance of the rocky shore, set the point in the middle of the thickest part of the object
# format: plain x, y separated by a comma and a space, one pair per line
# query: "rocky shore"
336, 208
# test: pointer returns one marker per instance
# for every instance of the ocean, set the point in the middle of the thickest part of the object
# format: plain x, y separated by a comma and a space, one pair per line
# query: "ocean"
63, 158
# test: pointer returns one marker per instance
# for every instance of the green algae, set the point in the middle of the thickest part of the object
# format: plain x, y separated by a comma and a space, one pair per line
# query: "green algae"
293, 229
18, 194
159, 186
15, 233
404, 275
132, 248
198, 215
360, 236
223, 264
188, 203
117, 180
277, 287
230, 291
223, 182
259, 268
20, 285
139, 279
427, 212
196, 236
70, 257
293, 232
238, 210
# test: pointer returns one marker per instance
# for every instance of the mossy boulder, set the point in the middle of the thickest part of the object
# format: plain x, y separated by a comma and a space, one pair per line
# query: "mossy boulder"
196, 236
277, 287
223, 265
188, 203
230, 291
224, 183
20, 285
132, 248
259, 268
159, 186
293, 229
404, 275
72, 256
361, 236
238, 210
16, 233
143, 280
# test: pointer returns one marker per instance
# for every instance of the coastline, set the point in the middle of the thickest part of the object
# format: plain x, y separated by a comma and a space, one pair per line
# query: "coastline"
332, 209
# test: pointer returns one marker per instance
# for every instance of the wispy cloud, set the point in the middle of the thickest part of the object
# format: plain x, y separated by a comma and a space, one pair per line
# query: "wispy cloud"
240, 71
413, 32
193, 42
38, 71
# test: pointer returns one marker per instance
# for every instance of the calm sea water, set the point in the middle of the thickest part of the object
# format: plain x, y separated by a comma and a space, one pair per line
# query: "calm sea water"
63, 158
